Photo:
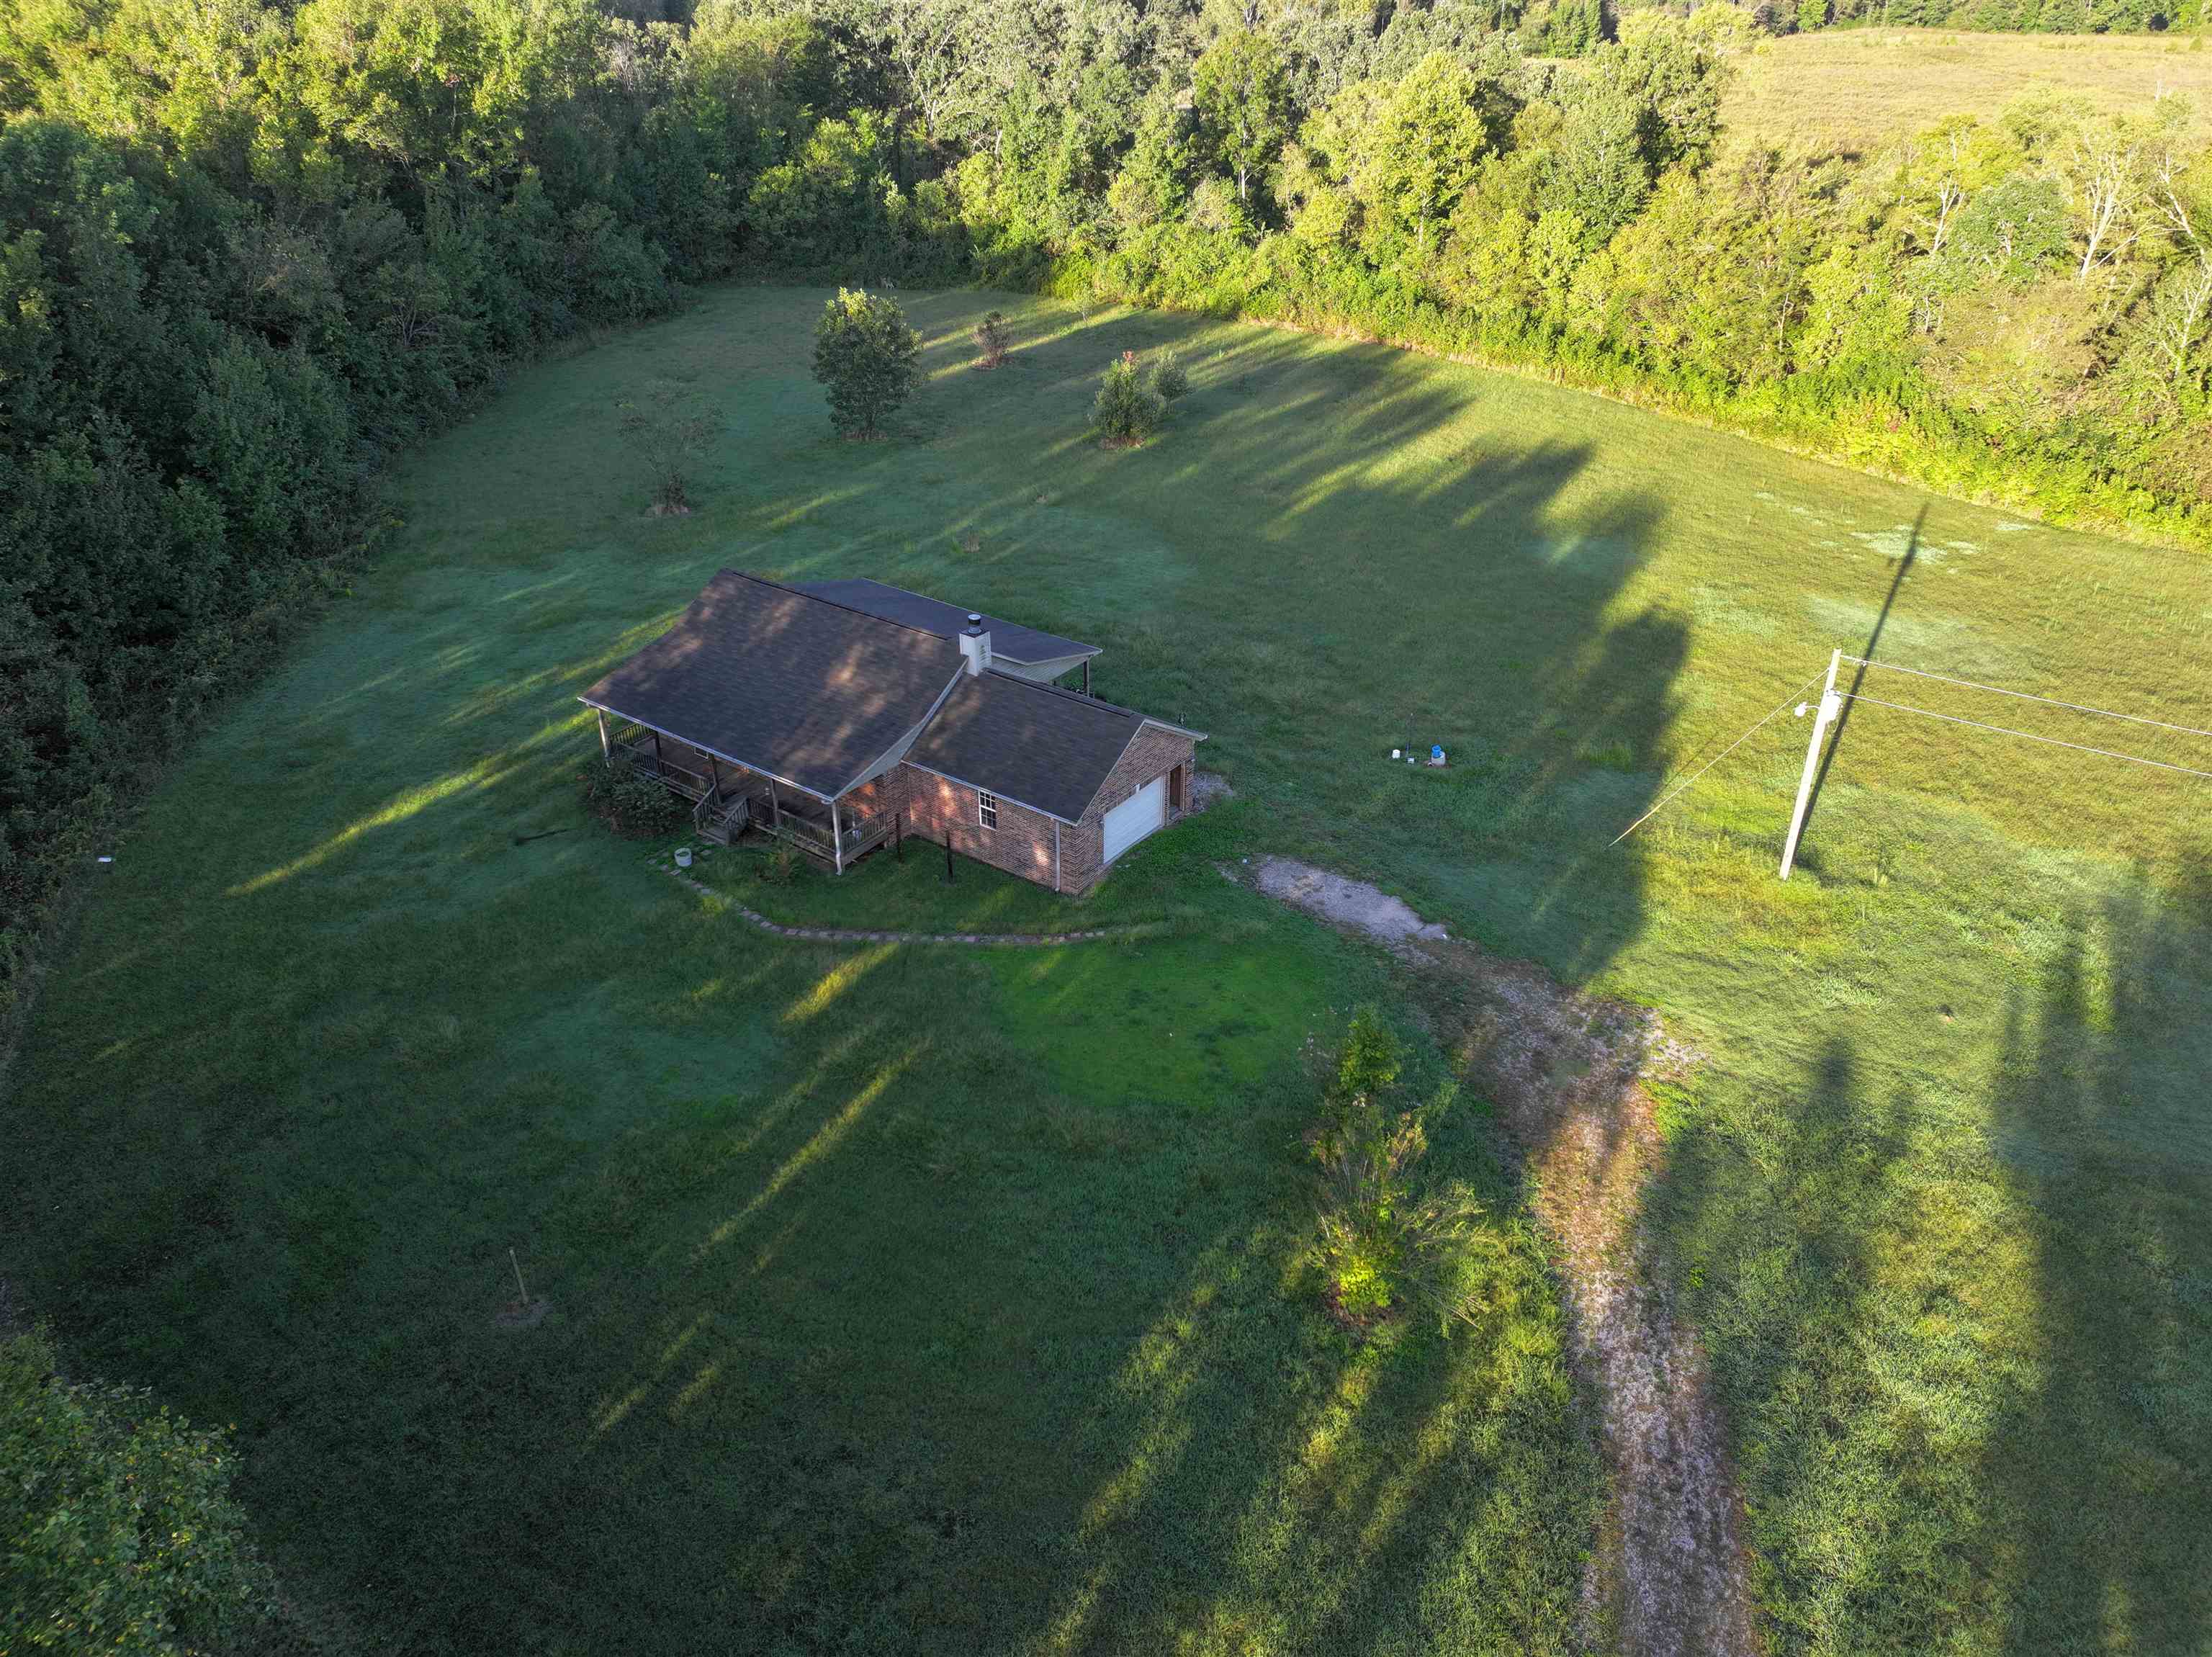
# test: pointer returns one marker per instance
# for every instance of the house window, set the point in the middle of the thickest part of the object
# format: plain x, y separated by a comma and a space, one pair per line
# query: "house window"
987, 808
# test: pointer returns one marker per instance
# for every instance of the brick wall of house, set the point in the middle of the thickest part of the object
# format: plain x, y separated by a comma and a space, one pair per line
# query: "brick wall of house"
1082, 849
936, 806
886, 792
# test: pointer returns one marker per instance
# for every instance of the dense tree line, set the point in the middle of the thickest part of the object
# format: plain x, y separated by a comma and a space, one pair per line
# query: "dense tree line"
118, 1532
2017, 305
1996, 17
247, 249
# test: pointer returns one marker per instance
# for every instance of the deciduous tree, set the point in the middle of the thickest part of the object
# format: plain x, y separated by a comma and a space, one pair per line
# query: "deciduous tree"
2104, 167
865, 355
1240, 89
668, 428
120, 1529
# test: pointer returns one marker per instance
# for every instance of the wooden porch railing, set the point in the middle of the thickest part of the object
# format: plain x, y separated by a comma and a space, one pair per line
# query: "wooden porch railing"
736, 802
811, 835
691, 783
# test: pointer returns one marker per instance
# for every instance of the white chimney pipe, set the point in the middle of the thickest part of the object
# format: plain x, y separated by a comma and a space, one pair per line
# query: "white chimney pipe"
976, 646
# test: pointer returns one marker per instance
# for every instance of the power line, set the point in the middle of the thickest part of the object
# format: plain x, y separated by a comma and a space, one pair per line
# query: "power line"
1998, 689
2002, 730
1675, 793
1709, 763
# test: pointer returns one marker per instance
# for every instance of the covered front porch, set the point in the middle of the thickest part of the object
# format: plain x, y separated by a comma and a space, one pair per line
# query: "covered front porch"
729, 799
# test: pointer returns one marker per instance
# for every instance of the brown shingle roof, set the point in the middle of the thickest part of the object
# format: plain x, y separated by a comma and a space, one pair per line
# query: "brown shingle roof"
782, 681
1008, 639
1034, 743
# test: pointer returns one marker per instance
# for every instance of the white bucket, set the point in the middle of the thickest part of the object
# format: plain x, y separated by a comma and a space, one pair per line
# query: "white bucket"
683, 857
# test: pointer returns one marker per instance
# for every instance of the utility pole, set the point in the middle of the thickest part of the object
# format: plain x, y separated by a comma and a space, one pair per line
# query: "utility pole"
1830, 705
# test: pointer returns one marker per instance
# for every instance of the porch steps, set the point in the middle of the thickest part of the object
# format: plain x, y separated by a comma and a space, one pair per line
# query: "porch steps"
712, 817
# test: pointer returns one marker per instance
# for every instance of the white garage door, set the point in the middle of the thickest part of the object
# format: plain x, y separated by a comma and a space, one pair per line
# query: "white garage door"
1136, 817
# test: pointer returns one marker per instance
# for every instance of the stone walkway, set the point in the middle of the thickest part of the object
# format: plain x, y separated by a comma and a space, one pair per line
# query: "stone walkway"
854, 935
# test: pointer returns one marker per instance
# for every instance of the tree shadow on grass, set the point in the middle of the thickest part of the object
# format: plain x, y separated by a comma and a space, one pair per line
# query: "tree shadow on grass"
1355, 605
1313, 568
1966, 1331
2097, 1469
1794, 1224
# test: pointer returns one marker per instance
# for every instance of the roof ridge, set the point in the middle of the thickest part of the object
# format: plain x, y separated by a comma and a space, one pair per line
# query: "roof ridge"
849, 609
1080, 647
1076, 696
870, 581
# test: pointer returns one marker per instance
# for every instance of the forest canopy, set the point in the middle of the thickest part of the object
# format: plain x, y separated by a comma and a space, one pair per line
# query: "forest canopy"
248, 250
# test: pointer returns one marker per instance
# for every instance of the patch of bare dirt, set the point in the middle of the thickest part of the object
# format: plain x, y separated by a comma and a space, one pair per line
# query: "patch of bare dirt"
1567, 1073
1208, 787
523, 1314
1342, 902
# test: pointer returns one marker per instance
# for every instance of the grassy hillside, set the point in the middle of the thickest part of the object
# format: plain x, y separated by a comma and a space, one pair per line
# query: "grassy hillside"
901, 1300
900, 1296
1859, 89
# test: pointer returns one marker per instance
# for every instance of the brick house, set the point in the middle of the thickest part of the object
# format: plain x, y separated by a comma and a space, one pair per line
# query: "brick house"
838, 714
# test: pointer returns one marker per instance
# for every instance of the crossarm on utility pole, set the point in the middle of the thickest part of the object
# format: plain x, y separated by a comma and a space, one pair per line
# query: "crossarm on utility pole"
1830, 705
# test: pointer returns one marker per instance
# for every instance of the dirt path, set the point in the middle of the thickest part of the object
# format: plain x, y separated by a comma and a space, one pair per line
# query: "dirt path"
1566, 1072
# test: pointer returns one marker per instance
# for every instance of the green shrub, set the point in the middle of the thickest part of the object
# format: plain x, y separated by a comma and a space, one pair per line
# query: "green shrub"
1386, 1247
781, 867
864, 354
1129, 407
117, 1521
993, 338
631, 804
1360, 1074
1166, 376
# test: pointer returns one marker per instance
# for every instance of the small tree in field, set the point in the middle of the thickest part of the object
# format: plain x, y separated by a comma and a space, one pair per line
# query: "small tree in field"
993, 337
1386, 1246
1168, 376
668, 428
1129, 408
864, 354
1133, 396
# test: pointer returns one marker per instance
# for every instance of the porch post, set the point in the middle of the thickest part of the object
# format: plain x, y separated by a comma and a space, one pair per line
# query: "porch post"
774, 806
1086, 675
606, 747
659, 765
1055, 854
836, 839
714, 776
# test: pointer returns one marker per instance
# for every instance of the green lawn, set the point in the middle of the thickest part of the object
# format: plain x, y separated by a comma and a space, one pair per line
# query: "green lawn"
915, 1300
912, 1298
908, 890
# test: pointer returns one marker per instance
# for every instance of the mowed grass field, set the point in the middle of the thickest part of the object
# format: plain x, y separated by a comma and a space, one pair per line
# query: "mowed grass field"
1859, 88
905, 1298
